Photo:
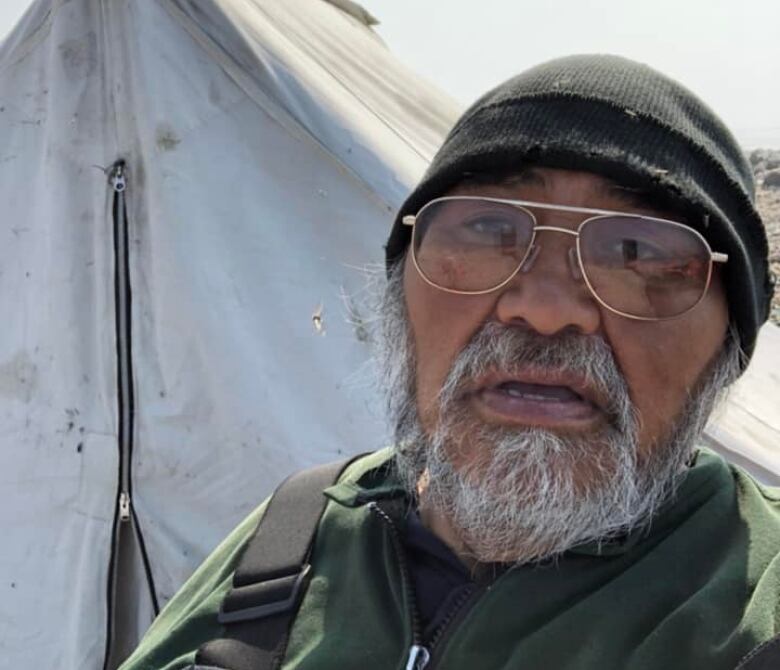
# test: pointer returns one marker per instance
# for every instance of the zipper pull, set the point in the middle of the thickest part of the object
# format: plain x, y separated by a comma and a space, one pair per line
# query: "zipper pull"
118, 180
418, 658
124, 506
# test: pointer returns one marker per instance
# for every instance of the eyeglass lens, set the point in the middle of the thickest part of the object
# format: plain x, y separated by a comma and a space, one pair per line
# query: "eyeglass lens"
643, 267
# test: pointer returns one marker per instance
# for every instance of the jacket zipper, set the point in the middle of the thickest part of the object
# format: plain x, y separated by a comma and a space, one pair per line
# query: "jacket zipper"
418, 655
451, 622
421, 656
124, 512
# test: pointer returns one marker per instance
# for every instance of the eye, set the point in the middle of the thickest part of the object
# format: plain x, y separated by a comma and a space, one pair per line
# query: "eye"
490, 225
633, 251
626, 252
658, 263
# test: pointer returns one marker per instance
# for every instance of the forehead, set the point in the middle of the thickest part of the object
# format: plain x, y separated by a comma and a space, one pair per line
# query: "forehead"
565, 187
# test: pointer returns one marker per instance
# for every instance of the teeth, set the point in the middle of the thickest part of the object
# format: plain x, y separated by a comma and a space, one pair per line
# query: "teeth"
538, 392
517, 393
533, 396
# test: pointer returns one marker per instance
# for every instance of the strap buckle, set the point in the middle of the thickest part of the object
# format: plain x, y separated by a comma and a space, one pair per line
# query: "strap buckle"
263, 599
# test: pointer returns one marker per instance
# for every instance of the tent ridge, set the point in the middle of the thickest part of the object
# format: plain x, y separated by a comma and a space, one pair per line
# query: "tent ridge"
356, 11
361, 101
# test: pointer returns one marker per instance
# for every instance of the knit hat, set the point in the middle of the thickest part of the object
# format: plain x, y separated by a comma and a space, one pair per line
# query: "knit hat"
625, 121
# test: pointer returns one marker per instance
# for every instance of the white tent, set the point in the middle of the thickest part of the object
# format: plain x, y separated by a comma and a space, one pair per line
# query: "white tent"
747, 428
173, 349
188, 187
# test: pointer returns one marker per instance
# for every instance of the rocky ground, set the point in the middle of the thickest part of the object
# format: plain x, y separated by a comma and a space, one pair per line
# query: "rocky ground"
766, 165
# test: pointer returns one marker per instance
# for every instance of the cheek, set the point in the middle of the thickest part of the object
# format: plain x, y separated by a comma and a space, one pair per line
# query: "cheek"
442, 324
662, 362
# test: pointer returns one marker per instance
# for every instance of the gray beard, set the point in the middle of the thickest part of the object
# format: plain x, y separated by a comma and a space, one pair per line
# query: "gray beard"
520, 495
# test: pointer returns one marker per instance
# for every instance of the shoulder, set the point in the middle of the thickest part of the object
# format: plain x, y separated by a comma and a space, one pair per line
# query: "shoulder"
757, 550
758, 503
752, 496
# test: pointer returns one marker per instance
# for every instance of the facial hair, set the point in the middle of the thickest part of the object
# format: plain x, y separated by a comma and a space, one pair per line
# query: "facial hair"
521, 495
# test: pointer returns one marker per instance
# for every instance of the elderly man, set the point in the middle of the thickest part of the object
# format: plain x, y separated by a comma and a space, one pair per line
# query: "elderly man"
578, 277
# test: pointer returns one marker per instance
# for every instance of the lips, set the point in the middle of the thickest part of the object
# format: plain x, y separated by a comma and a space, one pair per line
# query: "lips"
537, 398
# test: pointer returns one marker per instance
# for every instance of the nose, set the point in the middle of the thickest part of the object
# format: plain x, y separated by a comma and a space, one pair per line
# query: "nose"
549, 294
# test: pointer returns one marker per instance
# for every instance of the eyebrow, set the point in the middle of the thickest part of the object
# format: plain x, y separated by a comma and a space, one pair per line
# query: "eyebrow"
523, 175
631, 196
628, 195
530, 176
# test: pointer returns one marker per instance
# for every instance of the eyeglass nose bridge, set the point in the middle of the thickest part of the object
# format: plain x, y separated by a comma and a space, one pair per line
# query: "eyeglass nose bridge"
573, 255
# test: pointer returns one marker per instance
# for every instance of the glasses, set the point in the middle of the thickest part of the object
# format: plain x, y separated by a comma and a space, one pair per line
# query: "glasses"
640, 267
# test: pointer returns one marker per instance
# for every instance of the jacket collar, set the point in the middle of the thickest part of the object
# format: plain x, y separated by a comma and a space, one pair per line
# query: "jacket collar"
368, 479
708, 476
373, 478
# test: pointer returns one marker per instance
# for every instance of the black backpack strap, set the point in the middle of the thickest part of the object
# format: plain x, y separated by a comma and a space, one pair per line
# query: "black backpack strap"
272, 575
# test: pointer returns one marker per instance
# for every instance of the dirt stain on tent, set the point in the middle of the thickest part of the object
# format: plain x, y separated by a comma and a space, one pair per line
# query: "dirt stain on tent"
214, 95
19, 378
79, 56
167, 140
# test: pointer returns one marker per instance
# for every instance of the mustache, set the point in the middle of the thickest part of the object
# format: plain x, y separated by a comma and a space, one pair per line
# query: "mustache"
497, 348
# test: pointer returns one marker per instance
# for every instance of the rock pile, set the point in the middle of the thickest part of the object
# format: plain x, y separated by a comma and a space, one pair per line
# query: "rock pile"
772, 179
766, 165
764, 159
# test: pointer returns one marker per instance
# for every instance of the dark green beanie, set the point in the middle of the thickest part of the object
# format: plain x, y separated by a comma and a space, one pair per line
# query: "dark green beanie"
625, 121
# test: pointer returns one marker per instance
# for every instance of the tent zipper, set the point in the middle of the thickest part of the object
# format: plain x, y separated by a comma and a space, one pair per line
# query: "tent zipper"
124, 506
117, 179
124, 517
126, 400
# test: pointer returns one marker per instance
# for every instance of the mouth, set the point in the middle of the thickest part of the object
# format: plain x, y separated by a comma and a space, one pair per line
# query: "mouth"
536, 399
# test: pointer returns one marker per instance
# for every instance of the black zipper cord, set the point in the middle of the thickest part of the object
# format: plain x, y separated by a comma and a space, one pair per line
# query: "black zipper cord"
139, 536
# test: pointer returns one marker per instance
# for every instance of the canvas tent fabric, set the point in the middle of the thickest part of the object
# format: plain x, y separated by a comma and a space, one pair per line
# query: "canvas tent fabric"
746, 430
177, 332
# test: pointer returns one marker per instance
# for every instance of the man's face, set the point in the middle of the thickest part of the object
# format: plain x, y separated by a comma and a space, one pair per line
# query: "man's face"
600, 413
660, 361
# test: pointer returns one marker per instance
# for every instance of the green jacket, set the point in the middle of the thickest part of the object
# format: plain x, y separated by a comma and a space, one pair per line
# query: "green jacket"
699, 589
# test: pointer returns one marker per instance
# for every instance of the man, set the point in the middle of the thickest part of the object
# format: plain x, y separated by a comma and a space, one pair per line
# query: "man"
572, 286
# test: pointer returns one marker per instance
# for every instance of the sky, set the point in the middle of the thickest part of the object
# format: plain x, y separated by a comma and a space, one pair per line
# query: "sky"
727, 51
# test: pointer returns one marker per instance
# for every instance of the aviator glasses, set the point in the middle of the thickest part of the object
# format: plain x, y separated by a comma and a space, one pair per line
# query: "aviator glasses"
640, 267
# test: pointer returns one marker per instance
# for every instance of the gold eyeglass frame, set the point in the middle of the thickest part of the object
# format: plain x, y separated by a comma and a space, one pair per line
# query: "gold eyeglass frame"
595, 214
